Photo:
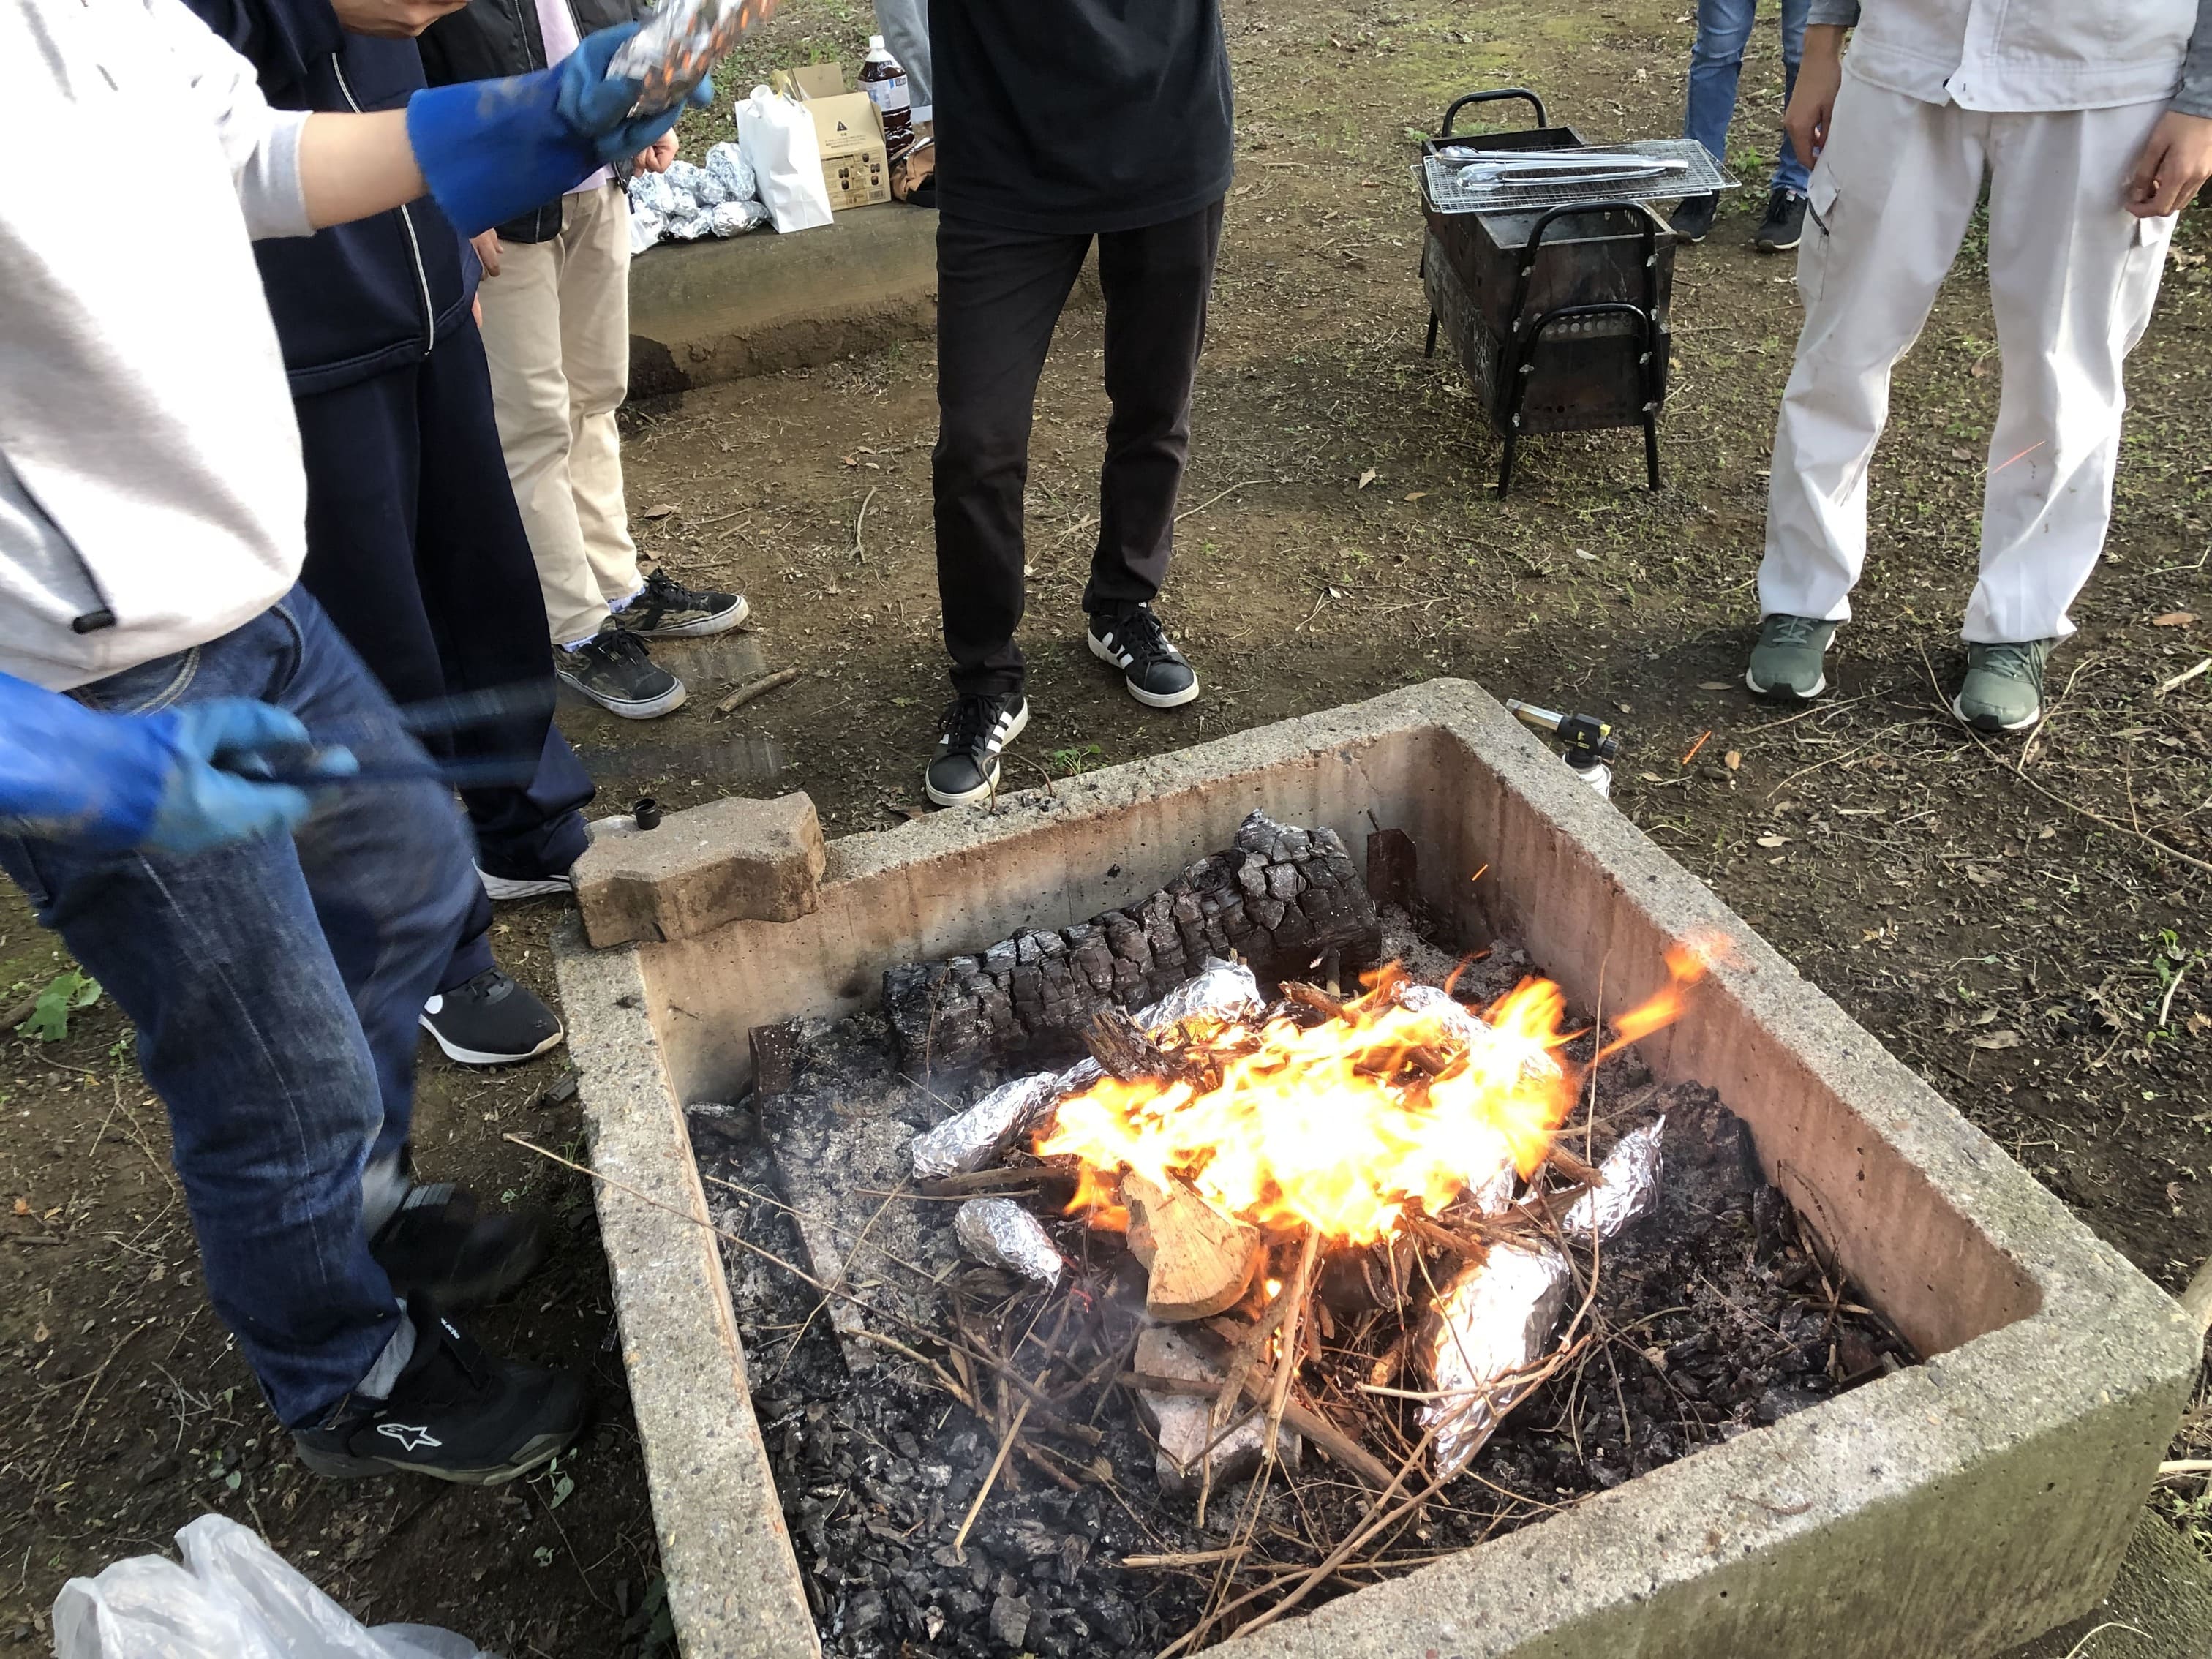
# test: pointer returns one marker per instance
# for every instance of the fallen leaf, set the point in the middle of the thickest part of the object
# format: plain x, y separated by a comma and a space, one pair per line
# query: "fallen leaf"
1716, 685
1733, 759
2173, 1195
1773, 840
1417, 494
1366, 478
42, 1334
902, 809
2007, 1038
850, 460
1584, 553
23, 1206
1958, 454
660, 512
1983, 875
2174, 619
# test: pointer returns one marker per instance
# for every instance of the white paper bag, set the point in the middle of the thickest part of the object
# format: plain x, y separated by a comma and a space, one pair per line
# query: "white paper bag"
776, 136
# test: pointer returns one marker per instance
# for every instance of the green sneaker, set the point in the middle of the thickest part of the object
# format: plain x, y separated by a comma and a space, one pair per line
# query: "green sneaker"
2004, 688
1787, 661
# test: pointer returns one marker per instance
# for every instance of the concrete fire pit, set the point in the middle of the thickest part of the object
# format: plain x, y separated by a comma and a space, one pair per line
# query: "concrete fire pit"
1956, 1508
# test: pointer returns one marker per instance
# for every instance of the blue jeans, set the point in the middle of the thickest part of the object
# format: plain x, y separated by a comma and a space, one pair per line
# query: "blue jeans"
1716, 61
276, 986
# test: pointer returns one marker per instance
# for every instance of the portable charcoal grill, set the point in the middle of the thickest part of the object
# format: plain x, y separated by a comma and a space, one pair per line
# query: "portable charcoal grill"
1557, 303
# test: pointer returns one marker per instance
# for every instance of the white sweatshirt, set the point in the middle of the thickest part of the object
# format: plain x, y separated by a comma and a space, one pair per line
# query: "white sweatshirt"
150, 465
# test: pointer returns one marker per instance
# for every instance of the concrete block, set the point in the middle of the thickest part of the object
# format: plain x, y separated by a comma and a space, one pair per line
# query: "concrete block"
731, 860
708, 311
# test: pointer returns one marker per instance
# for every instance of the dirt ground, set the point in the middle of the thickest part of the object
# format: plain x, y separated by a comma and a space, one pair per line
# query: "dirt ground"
2000, 915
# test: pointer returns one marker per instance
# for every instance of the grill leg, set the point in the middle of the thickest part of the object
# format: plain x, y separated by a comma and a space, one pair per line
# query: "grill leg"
1505, 463
1652, 447
1430, 349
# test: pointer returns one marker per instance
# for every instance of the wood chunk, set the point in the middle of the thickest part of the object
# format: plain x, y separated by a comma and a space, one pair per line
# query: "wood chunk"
1178, 1404
1200, 1260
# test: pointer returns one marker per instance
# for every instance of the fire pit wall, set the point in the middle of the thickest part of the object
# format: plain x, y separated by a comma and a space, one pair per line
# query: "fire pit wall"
1955, 1508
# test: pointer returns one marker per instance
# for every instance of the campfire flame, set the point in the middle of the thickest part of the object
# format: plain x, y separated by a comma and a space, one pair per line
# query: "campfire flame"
1340, 1126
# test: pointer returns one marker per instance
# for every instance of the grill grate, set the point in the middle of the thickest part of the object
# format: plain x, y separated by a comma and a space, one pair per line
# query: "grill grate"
1439, 175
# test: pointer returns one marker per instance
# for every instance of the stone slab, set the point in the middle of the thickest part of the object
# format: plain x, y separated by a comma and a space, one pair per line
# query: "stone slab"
1958, 1508
733, 860
708, 311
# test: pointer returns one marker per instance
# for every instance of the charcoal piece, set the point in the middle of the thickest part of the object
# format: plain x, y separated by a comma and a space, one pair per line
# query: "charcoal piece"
1282, 897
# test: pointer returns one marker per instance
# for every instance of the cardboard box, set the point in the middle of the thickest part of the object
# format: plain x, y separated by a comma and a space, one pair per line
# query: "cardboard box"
820, 80
855, 163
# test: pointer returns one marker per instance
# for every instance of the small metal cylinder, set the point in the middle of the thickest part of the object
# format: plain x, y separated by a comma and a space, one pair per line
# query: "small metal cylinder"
646, 812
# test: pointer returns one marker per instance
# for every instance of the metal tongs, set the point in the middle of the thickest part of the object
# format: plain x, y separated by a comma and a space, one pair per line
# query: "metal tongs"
1528, 168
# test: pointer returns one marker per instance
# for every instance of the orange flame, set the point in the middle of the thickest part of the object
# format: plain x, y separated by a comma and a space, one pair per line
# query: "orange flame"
1340, 1126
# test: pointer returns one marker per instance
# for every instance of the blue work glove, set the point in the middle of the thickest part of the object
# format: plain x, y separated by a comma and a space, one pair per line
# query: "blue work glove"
491, 149
71, 773
217, 793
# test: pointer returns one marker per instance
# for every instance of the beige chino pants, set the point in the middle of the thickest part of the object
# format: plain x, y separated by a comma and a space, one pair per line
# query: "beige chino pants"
556, 330
2073, 277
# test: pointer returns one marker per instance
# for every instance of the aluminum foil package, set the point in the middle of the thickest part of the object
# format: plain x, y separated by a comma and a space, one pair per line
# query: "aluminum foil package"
697, 182
728, 166
1631, 1171
1473, 1033
678, 46
691, 226
651, 192
999, 1233
1219, 988
1496, 1318
736, 218
975, 1138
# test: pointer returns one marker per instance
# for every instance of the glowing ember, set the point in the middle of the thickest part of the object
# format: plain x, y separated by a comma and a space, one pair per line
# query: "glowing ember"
1406, 1097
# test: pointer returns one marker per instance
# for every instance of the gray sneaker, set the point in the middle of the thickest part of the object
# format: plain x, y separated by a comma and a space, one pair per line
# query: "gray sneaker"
2003, 688
1787, 661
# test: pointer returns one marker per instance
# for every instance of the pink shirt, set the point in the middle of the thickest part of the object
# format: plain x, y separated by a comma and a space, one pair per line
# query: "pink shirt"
556, 26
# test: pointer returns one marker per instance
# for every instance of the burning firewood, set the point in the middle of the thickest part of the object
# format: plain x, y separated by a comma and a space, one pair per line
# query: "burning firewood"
1200, 1260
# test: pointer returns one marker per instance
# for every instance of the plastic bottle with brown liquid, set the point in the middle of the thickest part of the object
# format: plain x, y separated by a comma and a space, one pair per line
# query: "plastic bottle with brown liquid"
885, 83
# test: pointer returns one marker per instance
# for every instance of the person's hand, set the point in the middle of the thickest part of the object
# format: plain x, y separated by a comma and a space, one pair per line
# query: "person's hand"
393, 19
216, 792
597, 106
1813, 104
486, 243
2175, 162
656, 155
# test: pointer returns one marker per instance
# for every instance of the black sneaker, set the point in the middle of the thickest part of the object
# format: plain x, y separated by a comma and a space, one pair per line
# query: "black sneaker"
965, 767
456, 1413
438, 1246
1693, 218
613, 669
490, 1020
667, 610
1151, 666
1784, 228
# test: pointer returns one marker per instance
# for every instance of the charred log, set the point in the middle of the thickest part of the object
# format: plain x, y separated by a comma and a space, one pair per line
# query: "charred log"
1279, 897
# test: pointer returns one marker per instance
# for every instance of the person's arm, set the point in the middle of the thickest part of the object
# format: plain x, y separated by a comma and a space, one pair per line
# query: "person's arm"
1819, 77
2178, 157
484, 150
165, 782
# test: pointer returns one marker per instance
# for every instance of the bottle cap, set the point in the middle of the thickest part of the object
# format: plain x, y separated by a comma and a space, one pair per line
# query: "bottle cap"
876, 44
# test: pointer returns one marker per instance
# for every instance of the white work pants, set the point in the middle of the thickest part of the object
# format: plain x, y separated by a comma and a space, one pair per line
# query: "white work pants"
2072, 279
556, 333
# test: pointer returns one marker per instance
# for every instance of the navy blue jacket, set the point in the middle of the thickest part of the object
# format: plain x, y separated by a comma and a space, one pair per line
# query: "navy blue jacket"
354, 300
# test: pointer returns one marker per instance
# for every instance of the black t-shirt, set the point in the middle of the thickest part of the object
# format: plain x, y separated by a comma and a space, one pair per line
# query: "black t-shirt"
1079, 115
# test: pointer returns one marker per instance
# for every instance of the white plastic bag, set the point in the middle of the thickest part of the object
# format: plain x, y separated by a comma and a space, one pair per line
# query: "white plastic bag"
234, 1598
776, 136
